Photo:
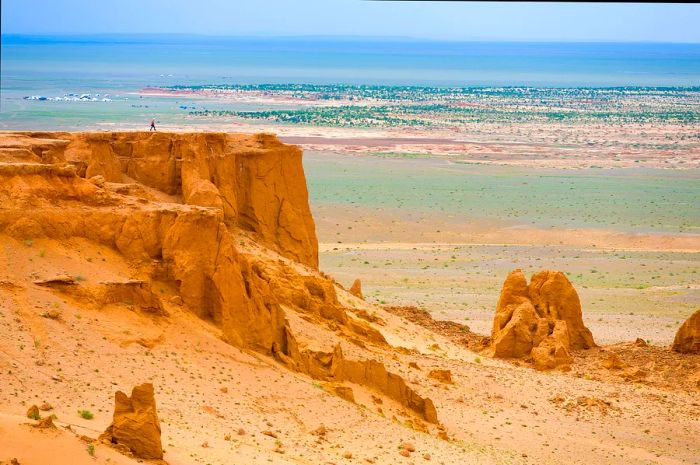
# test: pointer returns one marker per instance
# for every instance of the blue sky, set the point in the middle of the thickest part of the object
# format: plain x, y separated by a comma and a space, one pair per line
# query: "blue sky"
441, 20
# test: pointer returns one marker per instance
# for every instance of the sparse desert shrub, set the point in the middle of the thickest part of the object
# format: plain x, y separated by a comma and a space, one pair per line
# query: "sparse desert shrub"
91, 449
87, 414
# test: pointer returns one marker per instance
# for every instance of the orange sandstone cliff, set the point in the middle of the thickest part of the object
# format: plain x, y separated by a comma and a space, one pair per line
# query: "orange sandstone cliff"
255, 183
221, 218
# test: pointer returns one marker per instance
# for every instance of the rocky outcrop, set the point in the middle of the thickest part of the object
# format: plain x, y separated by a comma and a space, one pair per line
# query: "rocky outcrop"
356, 289
135, 425
222, 219
256, 181
135, 292
260, 179
541, 321
555, 298
334, 366
33, 412
444, 376
374, 374
687, 340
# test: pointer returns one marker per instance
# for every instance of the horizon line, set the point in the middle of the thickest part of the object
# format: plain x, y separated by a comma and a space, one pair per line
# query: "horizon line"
75, 35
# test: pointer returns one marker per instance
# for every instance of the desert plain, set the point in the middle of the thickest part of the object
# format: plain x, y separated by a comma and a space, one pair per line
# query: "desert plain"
430, 220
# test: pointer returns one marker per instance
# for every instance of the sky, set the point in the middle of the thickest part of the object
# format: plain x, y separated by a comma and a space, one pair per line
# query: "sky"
461, 21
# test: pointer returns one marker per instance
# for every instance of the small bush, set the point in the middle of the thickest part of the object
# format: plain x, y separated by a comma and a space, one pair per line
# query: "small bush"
91, 449
87, 414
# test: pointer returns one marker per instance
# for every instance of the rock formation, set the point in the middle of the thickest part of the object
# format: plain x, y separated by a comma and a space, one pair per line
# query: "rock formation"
221, 218
541, 321
135, 424
444, 376
356, 289
33, 412
260, 183
555, 298
45, 423
687, 340
256, 182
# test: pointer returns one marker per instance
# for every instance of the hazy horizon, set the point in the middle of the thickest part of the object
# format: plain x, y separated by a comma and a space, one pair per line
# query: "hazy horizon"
425, 21
359, 38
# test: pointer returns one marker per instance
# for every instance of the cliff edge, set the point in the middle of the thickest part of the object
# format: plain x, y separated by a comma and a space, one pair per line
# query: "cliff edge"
222, 219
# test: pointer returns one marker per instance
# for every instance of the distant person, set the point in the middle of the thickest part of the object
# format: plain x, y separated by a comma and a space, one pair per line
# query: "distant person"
153, 125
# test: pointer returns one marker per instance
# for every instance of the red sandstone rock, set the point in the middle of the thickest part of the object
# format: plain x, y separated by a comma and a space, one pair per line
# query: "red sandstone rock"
541, 321
356, 289
444, 376
687, 340
33, 412
135, 423
555, 298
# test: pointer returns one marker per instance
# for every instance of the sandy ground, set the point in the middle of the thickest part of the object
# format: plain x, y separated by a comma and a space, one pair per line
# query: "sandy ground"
215, 401
20, 441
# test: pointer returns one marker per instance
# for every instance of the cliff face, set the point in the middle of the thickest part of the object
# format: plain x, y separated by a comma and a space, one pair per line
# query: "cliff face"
255, 181
222, 218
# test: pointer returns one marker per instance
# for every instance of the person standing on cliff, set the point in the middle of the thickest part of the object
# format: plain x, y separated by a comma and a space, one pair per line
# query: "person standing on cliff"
153, 125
